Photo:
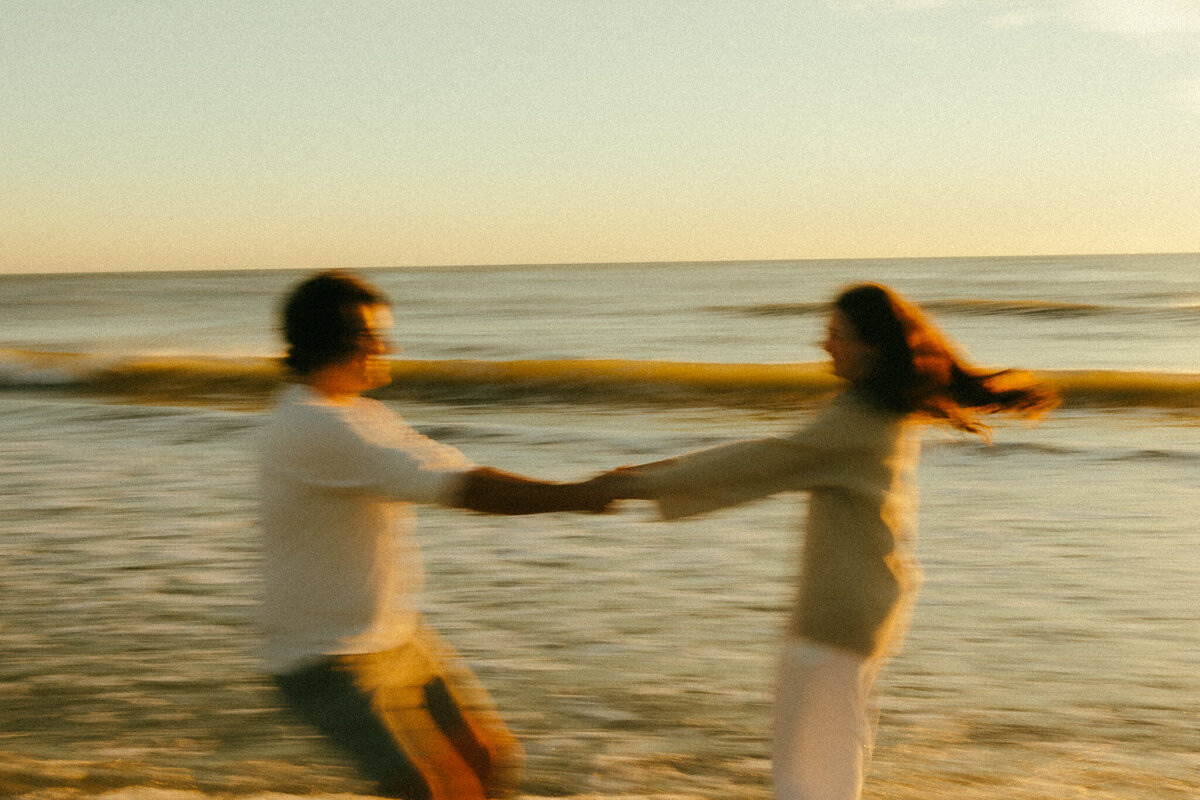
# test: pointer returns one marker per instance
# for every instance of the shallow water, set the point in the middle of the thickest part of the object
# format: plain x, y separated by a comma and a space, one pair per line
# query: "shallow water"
1055, 651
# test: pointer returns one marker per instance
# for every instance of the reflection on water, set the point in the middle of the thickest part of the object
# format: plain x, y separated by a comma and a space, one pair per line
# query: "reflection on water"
1053, 654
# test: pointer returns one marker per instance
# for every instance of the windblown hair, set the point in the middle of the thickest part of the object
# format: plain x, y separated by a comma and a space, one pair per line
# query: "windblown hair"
322, 320
918, 372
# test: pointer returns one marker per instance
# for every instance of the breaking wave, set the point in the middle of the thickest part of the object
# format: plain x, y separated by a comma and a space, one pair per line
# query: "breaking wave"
250, 381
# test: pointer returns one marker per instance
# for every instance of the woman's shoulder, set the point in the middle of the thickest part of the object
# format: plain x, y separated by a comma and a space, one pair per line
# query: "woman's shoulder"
853, 419
855, 403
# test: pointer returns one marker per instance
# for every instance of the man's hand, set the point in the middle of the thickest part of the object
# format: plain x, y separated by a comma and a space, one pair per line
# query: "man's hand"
623, 483
495, 492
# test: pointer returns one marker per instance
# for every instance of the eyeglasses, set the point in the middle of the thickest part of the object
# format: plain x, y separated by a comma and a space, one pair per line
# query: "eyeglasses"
370, 341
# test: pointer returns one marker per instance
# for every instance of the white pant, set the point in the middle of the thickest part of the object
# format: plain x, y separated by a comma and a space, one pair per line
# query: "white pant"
823, 730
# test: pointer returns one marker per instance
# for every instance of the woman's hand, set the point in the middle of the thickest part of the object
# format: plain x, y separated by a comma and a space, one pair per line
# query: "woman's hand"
623, 483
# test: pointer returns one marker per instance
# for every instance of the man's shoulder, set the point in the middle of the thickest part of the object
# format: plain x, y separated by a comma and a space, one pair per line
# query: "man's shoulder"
300, 413
298, 400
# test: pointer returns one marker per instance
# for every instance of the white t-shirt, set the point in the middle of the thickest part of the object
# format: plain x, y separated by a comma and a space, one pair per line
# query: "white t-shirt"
341, 569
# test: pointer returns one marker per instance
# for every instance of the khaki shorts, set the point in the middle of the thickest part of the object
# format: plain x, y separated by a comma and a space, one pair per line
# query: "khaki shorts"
414, 719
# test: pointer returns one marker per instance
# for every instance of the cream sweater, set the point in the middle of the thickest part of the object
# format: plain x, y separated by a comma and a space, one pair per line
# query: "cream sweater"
858, 465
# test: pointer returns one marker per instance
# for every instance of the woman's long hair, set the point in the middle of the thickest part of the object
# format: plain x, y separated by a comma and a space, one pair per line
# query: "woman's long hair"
918, 372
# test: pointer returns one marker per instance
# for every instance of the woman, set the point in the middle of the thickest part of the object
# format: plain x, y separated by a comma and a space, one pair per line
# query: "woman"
857, 461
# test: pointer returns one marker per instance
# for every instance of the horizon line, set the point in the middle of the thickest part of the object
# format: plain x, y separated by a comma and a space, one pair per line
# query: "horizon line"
567, 264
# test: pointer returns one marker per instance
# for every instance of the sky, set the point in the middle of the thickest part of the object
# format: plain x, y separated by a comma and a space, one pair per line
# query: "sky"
140, 135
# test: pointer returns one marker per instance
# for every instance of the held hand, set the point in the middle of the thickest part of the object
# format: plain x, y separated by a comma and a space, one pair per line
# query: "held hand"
493, 491
624, 483
590, 495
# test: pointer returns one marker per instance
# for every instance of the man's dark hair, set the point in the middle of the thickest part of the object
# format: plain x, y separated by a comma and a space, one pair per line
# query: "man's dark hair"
322, 319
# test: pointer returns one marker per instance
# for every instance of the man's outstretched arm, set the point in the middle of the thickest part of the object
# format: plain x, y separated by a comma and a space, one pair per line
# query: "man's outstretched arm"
492, 491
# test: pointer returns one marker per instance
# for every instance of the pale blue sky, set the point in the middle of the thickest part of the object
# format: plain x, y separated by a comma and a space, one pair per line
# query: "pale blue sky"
215, 134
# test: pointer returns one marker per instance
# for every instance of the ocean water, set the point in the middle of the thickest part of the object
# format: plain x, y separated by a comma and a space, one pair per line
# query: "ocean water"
1054, 652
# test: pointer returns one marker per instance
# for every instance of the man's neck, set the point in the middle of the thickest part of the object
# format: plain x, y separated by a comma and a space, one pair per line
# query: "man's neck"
330, 386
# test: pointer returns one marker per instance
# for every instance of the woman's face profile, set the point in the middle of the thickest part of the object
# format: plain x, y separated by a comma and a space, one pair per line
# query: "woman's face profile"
853, 359
369, 369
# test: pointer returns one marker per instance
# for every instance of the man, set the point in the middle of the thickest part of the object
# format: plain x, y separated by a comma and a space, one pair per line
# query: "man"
344, 639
